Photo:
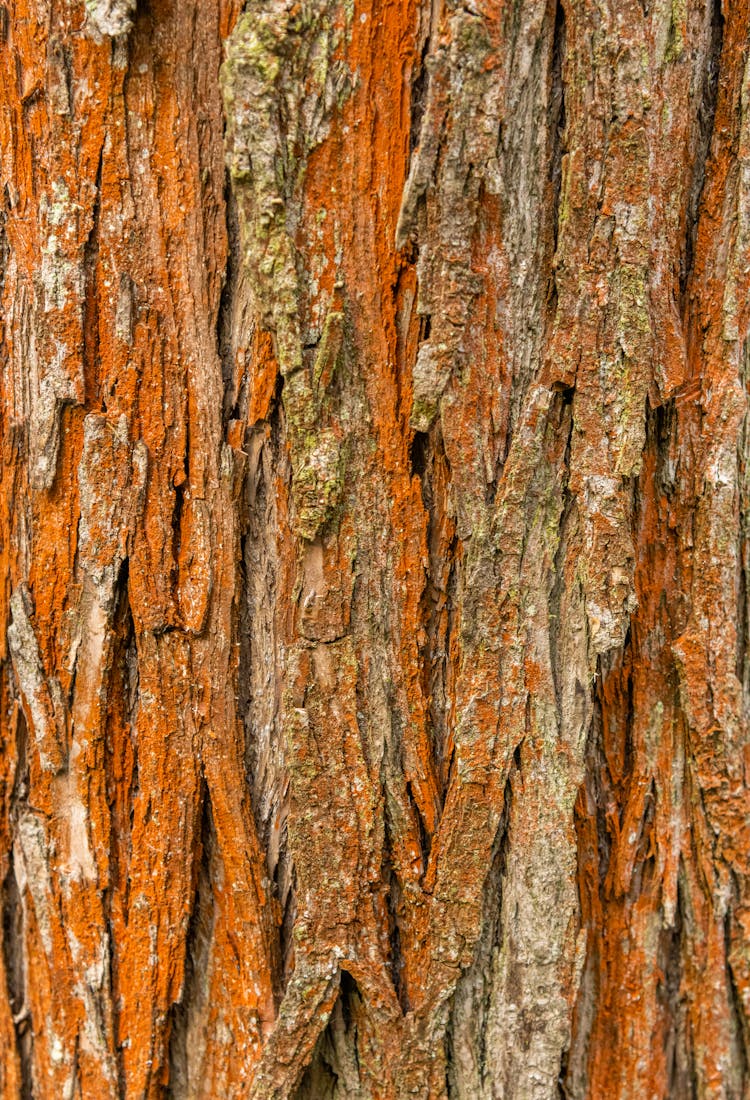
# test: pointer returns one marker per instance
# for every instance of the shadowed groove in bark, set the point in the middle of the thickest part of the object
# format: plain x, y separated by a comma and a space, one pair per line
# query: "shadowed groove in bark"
680, 1070
333, 1072
393, 897
419, 453
561, 417
594, 854
112, 962
736, 1008
467, 1056
556, 123
605, 793
258, 675
225, 316
179, 493
14, 932
425, 840
391, 890
13, 952
121, 753
705, 123
641, 881
661, 426
438, 603
418, 100
186, 1034
573, 1084
90, 350
285, 883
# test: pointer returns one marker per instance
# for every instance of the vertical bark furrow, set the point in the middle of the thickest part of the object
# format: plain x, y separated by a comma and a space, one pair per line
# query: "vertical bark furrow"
557, 124
437, 642
713, 37
193, 1019
334, 1071
17, 1077
469, 1051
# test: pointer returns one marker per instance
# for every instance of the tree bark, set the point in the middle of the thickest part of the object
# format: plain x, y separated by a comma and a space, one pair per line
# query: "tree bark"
374, 555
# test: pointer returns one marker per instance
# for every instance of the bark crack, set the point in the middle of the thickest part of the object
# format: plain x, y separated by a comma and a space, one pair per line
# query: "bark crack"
13, 933
705, 128
14, 923
90, 350
225, 318
188, 1032
557, 124
334, 1070
467, 1055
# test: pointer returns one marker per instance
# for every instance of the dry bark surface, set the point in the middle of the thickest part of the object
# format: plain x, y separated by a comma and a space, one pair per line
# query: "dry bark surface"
374, 520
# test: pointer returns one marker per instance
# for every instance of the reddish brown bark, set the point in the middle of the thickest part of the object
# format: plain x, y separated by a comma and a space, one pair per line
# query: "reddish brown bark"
373, 544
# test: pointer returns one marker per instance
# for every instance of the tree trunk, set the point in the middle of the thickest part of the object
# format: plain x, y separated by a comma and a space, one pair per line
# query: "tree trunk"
374, 556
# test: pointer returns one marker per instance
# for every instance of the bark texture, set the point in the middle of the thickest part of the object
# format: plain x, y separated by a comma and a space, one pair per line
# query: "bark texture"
374, 549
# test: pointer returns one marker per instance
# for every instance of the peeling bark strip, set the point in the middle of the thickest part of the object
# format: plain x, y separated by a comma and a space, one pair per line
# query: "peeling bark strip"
374, 674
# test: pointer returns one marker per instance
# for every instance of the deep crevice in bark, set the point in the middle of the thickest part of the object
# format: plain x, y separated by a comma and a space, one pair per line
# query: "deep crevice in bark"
225, 315
561, 418
626, 705
439, 596
705, 123
90, 350
419, 85
644, 865
122, 781
394, 811
179, 492
468, 1060
673, 947
737, 1010
597, 785
13, 957
425, 840
90, 319
285, 880
13, 917
419, 456
594, 855
61, 55
391, 893
259, 701
334, 1071
661, 432
561, 1089
187, 1024
556, 123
